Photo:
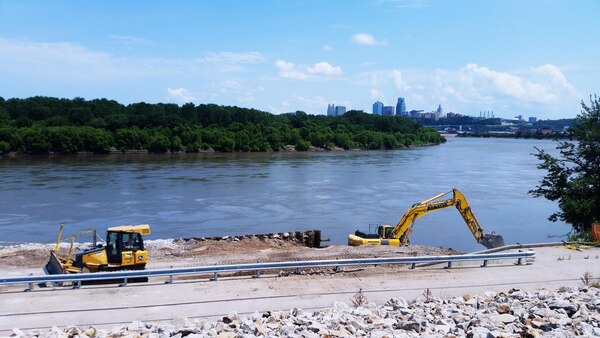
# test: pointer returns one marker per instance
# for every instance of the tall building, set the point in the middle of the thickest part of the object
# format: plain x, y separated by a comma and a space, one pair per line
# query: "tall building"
340, 110
532, 119
330, 110
439, 113
377, 108
401, 107
388, 111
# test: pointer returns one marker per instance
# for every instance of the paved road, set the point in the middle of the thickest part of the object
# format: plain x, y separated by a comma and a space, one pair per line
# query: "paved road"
108, 306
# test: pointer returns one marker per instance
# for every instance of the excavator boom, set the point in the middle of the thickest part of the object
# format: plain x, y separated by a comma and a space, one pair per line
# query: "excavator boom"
400, 234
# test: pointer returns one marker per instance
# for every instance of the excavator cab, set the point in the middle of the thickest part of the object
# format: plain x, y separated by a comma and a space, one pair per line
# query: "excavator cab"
385, 231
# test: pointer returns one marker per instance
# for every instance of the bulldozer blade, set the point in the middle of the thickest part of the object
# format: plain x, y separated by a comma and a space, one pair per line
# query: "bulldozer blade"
54, 266
492, 240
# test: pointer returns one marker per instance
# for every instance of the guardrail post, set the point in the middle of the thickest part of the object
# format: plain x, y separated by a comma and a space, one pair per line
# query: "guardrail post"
257, 275
297, 271
30, 285
520, 261
170, 281
77, 284
215, 277
449, 265
124, 282
484, 263
413, 266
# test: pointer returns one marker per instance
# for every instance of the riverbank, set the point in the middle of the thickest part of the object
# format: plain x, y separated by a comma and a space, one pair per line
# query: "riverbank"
285, 149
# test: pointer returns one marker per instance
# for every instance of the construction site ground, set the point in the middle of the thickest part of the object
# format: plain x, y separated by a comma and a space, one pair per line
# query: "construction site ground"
199, 297
24, 259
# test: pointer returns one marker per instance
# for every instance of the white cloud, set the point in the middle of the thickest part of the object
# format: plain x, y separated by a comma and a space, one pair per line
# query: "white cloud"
180, 95
311, 101
367, 39
327, 48
363, 39
289, 70
399, 81
68, 62
238, 90
546, 84
50, 59
232, 58
543, 91
553, 73
230, 61
324, 68
131, 40
376, 94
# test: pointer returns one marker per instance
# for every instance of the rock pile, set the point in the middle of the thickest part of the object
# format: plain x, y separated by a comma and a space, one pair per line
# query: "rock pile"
559, 313
309, 238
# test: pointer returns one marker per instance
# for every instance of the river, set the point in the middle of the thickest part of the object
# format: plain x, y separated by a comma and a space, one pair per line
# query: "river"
193, 195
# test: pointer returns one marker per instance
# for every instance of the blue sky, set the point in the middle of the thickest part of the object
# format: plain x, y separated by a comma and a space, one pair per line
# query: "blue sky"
535, 58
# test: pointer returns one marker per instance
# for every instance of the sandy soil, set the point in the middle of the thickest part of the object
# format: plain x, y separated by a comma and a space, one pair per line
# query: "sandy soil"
30, 258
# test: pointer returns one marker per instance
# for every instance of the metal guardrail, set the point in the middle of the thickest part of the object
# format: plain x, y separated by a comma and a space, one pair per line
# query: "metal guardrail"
76, 279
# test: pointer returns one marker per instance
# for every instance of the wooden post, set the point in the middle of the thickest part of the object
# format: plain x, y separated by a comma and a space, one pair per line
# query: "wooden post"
596, 231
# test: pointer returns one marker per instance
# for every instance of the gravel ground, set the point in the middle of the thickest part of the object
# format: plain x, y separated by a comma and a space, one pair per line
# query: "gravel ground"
565, 312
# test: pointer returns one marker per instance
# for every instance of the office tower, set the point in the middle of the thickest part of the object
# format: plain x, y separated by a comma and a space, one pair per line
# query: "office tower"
401, 107
377, 108
330, 110
388, 111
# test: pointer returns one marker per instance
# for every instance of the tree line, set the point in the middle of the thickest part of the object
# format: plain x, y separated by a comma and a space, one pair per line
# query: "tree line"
43, 125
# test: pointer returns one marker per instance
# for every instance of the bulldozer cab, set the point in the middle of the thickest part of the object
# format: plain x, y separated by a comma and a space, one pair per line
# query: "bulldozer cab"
117, 242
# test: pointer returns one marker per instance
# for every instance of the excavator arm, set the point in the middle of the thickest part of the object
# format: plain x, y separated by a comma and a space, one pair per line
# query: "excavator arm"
403, 228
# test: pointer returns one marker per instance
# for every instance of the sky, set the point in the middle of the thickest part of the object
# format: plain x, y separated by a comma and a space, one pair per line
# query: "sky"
523, 57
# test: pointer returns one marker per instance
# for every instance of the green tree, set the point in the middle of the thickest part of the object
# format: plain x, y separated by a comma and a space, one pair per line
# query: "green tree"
4, 147
302, 145
573, 178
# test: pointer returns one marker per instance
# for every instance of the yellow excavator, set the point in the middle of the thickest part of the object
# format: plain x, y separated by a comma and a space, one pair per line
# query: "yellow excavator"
400, 234
123, 250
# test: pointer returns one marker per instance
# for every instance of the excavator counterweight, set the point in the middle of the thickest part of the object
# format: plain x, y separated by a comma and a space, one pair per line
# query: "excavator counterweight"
400, 234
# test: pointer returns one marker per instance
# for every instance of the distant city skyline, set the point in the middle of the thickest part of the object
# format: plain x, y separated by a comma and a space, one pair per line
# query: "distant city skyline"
530, 58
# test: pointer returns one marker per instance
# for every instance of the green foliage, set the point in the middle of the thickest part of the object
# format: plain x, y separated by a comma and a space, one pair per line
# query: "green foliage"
582, 236
302, 145
45, 124
573, 178
4, 147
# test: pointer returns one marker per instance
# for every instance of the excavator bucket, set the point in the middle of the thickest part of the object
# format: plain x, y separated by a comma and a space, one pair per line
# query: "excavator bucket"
492, 240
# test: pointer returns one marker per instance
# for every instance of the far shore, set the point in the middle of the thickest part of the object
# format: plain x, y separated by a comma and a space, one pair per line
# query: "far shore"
286, 149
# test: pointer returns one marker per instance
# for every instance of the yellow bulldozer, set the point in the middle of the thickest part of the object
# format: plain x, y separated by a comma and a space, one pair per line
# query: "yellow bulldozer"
123, 250
400, 234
